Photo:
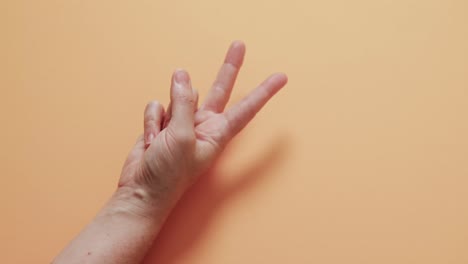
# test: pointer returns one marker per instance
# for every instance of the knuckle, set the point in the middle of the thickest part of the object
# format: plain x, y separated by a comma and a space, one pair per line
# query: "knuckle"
218, 87
185, 98
149, 122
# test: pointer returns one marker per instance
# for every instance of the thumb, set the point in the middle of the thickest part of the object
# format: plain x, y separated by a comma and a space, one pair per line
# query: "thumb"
183, 102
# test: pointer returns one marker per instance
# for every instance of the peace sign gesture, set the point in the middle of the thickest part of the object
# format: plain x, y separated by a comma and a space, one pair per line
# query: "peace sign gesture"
181, 143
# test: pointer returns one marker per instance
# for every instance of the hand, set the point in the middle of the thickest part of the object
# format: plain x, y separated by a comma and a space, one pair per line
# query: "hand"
176, 148
179, 145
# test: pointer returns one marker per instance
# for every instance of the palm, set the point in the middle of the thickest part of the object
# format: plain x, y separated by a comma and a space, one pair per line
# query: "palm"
210, 128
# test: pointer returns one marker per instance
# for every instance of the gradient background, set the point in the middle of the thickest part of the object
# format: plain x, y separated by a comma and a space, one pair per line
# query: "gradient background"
363, 158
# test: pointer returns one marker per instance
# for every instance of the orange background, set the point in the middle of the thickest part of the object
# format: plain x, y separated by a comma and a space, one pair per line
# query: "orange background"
363, 158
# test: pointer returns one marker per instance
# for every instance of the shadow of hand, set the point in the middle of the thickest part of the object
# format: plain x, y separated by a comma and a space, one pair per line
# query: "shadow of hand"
190, 219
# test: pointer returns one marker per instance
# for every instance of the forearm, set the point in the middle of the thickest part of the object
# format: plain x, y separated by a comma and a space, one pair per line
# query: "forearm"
122, 232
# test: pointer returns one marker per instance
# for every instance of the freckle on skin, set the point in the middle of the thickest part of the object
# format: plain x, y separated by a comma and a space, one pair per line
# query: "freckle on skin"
89, 253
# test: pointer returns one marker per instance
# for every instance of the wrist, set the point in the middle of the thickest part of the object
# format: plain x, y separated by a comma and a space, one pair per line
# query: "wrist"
139, 203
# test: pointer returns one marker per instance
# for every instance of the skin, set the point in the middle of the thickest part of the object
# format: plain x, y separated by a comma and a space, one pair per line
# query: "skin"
177, 147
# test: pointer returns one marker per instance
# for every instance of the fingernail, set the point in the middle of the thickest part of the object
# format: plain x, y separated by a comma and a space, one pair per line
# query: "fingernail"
181, 77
